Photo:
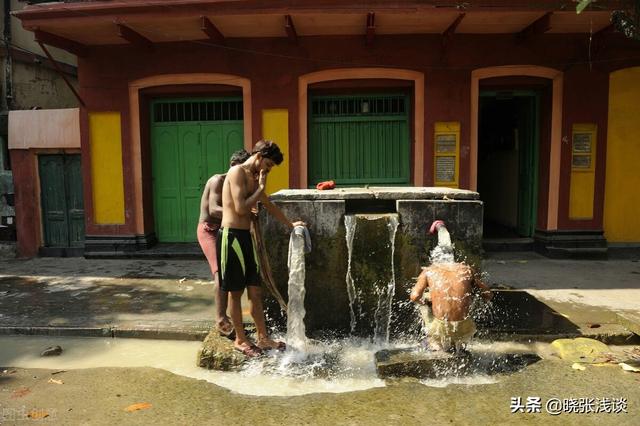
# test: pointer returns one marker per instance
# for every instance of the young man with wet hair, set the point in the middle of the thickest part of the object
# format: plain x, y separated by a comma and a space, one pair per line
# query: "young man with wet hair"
208, 225
237, 257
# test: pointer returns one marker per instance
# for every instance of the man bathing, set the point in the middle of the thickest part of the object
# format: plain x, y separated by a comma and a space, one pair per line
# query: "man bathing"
451, 286
237, 258
208, 225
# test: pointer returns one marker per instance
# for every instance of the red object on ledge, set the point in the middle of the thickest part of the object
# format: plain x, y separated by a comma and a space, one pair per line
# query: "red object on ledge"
328, 184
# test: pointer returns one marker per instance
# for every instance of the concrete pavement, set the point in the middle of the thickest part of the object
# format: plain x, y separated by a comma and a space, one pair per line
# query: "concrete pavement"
174, 298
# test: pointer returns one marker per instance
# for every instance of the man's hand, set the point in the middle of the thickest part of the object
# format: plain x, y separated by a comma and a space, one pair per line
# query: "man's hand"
262, 179
298, 223
416, 297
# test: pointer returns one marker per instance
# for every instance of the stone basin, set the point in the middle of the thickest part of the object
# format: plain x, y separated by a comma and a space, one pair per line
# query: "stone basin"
328, 305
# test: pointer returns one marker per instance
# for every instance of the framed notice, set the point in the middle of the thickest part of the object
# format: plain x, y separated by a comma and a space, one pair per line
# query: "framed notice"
583, 167
583, 141
446, 154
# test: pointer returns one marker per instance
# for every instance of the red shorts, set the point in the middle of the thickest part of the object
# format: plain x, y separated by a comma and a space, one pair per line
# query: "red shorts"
207, 235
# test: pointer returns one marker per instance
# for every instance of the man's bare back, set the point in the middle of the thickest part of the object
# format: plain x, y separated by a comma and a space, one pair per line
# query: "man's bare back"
451, 288
211, 201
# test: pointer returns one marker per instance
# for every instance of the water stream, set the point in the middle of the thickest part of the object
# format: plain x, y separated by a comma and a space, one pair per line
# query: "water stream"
296, 333
350, 227
385, 298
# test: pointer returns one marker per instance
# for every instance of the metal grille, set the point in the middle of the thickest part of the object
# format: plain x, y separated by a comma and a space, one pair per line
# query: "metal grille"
358, 105
190, 111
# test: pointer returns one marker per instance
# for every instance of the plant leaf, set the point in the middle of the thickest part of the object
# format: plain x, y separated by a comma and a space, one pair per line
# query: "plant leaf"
138, 406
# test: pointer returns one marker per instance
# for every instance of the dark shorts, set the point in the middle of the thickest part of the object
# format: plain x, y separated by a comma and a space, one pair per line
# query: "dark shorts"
237, 259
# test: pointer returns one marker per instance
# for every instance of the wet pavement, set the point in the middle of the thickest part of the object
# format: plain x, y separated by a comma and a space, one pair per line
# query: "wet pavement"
537, 297
101, 396
118, 298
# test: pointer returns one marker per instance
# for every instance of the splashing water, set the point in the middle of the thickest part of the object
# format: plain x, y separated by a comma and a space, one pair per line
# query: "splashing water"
296, 332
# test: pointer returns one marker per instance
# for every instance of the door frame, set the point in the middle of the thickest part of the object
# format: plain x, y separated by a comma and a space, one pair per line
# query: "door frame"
135, 133
556, 76
416, 77
534, 175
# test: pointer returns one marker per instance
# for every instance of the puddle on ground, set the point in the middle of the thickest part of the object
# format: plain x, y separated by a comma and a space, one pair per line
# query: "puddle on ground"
326, 367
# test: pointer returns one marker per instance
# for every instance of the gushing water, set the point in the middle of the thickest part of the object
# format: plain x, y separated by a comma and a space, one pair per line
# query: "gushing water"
443, 252
350, 226
296, 333
383, 310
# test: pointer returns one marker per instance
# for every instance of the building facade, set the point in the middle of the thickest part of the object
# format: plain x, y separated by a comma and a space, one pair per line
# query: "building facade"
531, 105
29, 81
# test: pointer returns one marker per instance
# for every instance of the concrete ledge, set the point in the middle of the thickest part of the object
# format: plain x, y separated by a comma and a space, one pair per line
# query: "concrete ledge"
57, 331
113, 332
630, 321
620, 337
158, 334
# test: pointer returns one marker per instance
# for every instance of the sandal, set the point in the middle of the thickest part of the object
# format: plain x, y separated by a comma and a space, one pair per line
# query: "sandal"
250, 351
279, 346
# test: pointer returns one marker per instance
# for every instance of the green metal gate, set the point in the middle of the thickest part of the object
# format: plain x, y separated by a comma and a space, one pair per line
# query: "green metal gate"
191, 139
61, 200
359, 140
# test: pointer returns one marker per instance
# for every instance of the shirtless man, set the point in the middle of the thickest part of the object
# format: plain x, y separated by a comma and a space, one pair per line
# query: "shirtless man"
237, 258
208, 225
451, 287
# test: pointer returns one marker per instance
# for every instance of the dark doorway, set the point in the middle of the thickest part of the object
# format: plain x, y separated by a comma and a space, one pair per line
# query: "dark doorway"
508, 141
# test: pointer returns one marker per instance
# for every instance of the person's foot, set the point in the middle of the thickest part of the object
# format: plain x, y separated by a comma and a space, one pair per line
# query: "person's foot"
225, 328
248, 349
268, 345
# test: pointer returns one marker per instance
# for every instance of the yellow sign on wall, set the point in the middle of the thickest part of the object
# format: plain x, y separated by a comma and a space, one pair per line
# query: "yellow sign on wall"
583, 171
106, 167
446, 158
275, 127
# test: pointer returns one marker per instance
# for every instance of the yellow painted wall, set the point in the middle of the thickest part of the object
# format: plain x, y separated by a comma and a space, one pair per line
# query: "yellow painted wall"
106, 167
622, 184
275, 126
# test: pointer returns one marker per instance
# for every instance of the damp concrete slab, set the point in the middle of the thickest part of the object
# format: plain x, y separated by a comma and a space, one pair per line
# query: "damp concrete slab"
422, 364
117, 298
542, 299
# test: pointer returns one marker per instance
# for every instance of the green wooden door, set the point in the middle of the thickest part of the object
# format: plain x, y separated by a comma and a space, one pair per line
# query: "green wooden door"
528, 165
359, 140
190, 141
61, 200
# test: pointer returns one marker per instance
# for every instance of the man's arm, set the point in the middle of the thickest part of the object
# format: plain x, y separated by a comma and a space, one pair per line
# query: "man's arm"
275, 211
421, 285
237, 183
214, 186
278, 214
485, 291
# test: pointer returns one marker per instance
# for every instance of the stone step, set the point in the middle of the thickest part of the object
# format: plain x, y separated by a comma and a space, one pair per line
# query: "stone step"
507, 244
